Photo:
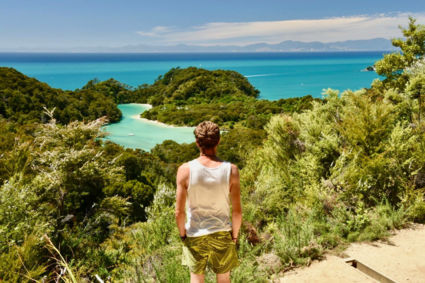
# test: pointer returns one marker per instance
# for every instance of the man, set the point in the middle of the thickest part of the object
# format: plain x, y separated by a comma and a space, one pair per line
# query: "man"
207, 186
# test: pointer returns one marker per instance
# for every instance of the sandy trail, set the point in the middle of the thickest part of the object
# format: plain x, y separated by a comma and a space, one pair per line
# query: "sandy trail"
401, 259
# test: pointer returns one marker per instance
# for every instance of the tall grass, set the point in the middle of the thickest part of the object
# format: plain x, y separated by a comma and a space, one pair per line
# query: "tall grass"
63, 271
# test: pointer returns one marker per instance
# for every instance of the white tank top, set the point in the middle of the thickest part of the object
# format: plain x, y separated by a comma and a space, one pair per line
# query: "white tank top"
208, 202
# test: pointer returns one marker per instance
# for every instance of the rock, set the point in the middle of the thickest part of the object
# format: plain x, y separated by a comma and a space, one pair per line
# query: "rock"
251, 232
312, 250
269, 262
266, 237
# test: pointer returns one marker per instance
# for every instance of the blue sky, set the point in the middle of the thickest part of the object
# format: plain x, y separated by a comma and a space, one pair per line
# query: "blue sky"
65, 24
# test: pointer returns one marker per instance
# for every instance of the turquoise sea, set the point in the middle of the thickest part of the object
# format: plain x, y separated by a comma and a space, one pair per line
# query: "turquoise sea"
276, 75
132, 132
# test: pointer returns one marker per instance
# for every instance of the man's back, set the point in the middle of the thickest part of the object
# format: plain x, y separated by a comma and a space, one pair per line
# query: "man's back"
208, 202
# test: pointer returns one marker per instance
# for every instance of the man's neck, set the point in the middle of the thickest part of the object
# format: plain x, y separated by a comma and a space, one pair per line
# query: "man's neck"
210, 155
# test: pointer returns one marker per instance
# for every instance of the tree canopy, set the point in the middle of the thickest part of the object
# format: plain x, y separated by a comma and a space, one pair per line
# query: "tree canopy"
23, 98
394, 65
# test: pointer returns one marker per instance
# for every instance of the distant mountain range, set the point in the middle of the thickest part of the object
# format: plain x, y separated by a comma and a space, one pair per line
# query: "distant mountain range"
376, 44
284, 46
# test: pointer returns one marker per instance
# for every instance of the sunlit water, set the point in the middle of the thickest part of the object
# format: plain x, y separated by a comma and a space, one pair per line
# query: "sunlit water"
133, 132
276, 75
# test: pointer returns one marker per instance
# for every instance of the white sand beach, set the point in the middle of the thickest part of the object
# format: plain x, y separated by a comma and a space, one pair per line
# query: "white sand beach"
154, 122
158, 123
148, 106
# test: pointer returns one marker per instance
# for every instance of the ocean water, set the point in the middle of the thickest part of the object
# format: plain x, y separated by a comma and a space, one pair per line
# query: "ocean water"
132, 132
276, 75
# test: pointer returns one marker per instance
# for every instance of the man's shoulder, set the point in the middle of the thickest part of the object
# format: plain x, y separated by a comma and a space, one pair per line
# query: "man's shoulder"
234, 169
183, 168
183, 172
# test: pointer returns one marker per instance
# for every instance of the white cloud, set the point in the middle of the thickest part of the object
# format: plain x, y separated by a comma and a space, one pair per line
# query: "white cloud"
324, 30
156, 31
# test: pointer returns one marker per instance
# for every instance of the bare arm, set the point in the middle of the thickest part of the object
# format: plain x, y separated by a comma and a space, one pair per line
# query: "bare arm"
181, 193
235, 195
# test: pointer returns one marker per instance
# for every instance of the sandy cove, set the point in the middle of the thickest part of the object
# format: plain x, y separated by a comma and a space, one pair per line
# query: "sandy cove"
155, 122
148, 106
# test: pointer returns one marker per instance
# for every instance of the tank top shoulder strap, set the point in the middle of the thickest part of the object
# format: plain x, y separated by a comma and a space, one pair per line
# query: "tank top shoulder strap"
196, 164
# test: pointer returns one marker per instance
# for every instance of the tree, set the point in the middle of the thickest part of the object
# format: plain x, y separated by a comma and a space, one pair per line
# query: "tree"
416, 87
392, 66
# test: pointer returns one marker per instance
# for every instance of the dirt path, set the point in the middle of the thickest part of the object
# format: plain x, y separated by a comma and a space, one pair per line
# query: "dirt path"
401, 259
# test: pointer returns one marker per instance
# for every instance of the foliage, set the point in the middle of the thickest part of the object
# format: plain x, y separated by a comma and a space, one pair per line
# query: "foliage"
23, 98
23, 263
119, 92
392, 66
65, 272
249, 112
193, 85
190, 96
71, 189
237, 144
364, 150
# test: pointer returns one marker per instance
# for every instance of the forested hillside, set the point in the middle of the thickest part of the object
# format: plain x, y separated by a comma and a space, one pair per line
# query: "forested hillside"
23, 98
192, 95
325, 173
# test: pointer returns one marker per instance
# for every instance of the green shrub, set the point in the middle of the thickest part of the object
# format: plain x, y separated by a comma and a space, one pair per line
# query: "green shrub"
416, 212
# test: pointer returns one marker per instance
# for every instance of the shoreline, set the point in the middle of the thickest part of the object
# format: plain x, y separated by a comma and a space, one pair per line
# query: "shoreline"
148, 106
154, 122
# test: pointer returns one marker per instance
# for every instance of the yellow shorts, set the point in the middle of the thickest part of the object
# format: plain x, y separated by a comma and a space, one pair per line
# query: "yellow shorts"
217, 250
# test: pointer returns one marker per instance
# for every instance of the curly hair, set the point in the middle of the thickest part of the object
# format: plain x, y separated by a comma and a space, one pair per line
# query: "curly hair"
207, 134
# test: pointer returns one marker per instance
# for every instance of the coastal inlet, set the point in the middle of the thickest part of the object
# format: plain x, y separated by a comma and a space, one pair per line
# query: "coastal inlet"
136, 132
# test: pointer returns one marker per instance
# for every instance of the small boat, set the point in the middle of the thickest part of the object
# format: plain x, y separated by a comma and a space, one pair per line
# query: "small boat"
131, 134
369, 69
